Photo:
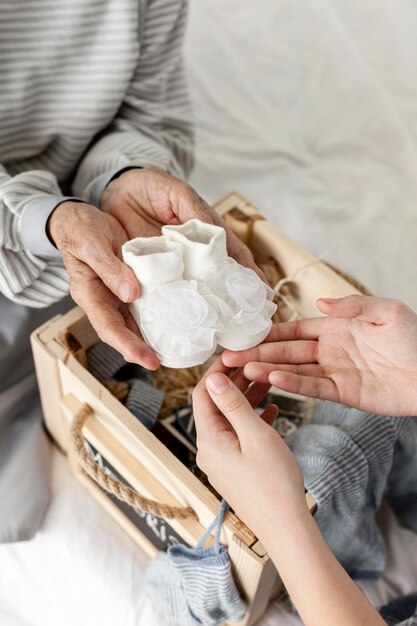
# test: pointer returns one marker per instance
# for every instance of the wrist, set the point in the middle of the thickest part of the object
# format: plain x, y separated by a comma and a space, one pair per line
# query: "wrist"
59, 219
125, 172
121, 179
282, 521
285, 533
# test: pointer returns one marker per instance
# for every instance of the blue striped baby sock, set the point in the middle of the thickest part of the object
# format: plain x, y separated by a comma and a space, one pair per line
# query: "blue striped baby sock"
104, 361
195, 586
164, 587
143, 400
345, 457
402, 482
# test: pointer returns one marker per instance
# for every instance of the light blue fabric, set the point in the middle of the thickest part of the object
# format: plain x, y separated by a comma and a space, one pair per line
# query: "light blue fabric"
346, 456
195, 586
24, 475
33, 222
401, 490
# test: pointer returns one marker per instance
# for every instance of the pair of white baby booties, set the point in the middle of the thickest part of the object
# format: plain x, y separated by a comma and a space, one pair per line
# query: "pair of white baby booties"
193, 296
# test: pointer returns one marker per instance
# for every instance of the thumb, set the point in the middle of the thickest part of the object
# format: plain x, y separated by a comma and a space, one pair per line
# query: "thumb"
363, 308
233, 404
115, 274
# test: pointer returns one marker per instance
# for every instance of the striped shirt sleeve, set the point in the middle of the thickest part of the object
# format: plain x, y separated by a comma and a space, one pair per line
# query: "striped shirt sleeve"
153, 126
26, 278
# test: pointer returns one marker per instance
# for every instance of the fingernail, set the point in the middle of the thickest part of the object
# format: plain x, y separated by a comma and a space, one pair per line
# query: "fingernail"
329, 300
217, 383
124, 291
225, 357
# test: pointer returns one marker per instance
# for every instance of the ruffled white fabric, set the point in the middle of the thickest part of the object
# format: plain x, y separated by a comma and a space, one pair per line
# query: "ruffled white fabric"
194, 297
245, 304
179, 323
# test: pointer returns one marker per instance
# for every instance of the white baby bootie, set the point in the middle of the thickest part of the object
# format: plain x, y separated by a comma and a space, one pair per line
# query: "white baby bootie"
203, 246
244, 301
176, 320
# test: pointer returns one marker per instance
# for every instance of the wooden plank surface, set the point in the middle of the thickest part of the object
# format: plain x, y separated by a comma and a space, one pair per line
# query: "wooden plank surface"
132, 470
143, 445
49, 384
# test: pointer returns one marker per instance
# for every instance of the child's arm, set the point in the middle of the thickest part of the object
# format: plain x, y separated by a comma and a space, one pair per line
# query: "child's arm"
251, 466
364, 354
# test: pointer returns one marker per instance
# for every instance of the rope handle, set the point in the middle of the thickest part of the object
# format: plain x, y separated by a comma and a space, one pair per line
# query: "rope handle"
112, 485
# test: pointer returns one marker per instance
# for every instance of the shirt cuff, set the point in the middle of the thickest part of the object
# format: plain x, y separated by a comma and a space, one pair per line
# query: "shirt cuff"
102, 181
32, 226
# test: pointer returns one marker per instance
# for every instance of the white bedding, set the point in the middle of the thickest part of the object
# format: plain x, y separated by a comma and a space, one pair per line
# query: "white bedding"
310, 109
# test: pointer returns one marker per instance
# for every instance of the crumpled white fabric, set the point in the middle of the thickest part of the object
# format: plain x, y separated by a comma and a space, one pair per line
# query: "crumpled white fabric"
259, 137
245, 304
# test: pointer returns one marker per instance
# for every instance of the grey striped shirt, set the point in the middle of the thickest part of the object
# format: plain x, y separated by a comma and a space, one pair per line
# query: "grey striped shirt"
87, 87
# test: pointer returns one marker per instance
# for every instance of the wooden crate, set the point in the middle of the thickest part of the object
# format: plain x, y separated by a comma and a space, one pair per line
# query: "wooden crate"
127, 450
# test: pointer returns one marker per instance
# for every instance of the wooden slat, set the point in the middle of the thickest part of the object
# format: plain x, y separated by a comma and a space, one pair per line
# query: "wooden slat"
312, 278
49, 384
59, 323
143, 445
132, 470
255, 577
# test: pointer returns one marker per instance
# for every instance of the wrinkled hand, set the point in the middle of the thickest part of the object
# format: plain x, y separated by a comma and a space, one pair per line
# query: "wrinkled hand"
244, 458
364, 354
137, 203
100, 282
143, 200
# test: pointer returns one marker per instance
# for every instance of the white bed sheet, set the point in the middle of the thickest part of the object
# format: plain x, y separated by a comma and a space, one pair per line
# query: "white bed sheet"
310, 109
83, 569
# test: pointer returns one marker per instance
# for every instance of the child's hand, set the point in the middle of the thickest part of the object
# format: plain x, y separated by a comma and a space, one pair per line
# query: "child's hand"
244, 458
363, 355
251, 466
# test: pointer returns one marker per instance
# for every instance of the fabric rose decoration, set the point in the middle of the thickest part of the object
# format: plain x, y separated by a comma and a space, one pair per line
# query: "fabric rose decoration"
244, 299
178, 322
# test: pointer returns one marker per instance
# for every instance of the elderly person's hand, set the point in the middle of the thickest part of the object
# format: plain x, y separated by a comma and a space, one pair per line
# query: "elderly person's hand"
100, 282
143, 200
137, 203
